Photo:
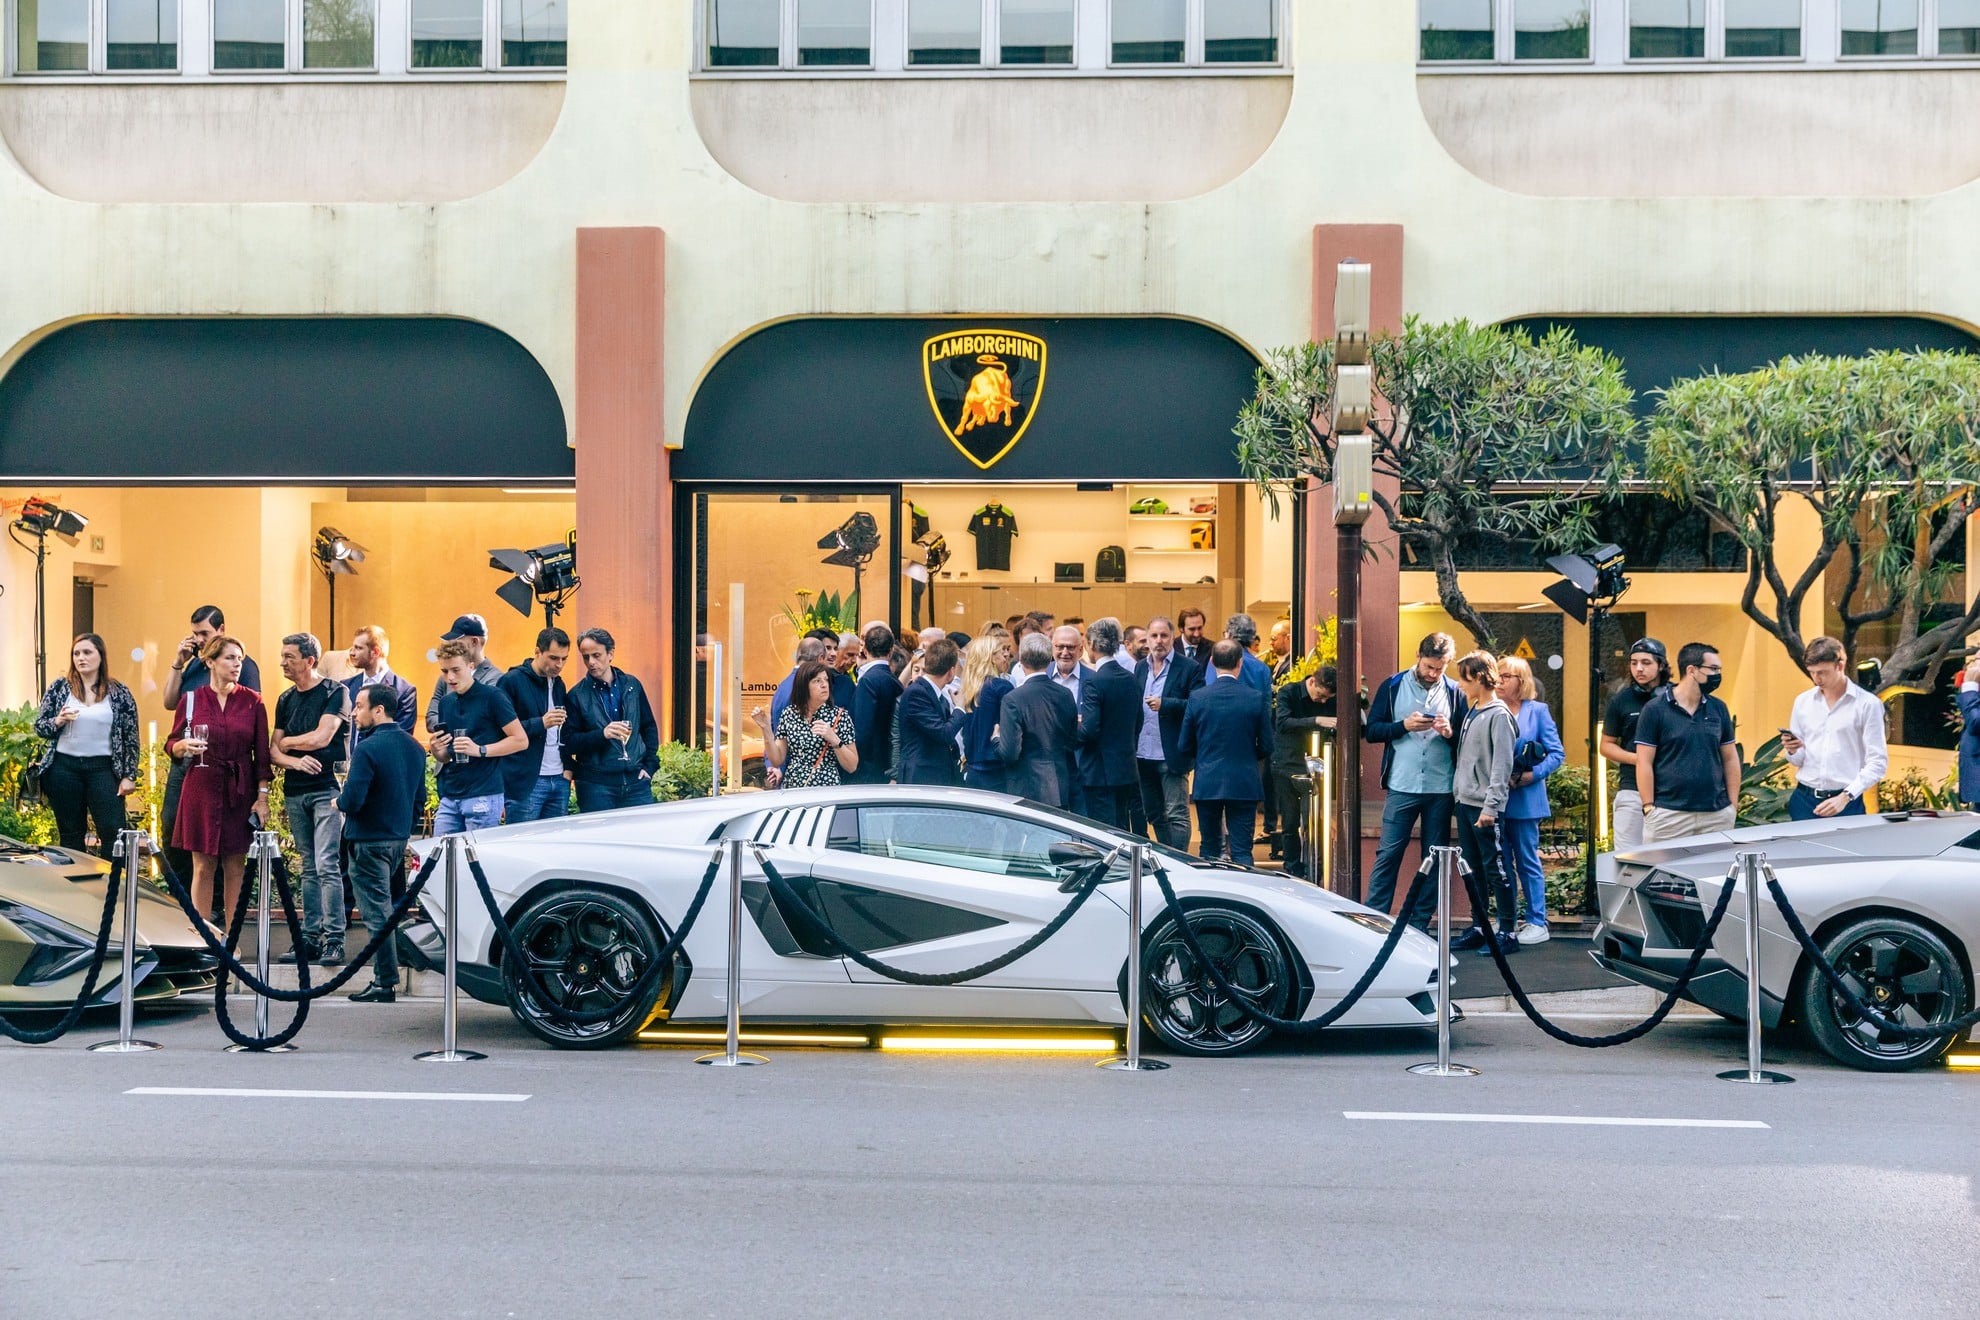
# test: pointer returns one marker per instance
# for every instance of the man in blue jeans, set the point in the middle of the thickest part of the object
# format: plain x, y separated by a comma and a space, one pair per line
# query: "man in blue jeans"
310, 736
381, 800
612, 735
533, 780
1416, 716
478, 727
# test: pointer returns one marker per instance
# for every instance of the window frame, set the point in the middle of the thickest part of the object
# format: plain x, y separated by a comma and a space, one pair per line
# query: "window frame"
96, 60
1194, 42
491, 49
292, 45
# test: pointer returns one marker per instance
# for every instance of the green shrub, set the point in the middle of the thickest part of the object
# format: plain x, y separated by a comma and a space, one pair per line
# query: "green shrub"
685, 772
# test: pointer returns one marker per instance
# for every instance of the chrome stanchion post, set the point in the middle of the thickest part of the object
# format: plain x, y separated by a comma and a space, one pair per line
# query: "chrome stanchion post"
265, 848
449, 1024
1748, 865
732, 1055
715, 725
1132, 1060
1446, 859
131, 845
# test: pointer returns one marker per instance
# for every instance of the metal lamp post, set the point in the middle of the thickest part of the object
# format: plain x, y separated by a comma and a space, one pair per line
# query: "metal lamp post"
1354, 492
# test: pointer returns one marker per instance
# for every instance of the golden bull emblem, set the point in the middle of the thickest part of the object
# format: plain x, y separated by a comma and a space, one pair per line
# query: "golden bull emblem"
984, 386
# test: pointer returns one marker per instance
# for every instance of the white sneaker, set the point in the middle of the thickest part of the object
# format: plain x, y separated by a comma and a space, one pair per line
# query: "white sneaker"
1529, 933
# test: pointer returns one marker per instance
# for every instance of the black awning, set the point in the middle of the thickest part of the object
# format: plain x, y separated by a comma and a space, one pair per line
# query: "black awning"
347, 400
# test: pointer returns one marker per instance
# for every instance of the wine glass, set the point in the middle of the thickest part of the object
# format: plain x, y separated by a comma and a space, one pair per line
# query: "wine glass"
197, 733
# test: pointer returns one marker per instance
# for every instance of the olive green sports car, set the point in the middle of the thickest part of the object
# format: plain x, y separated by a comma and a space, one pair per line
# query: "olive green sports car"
51, 903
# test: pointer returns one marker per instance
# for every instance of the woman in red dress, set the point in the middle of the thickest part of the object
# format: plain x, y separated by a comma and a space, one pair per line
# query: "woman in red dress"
212, 823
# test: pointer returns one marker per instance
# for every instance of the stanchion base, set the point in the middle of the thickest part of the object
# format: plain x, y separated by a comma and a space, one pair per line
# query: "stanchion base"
1761, 1078
725, 1061
1442, 1070
261, 1049
448, 1056
1125, 1064
124, 1046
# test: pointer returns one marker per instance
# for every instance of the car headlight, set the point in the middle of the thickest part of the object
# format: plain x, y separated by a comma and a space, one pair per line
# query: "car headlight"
60, 949
1374, 921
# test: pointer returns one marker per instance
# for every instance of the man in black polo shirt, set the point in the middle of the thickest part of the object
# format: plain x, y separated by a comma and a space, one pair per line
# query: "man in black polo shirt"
478, 727
1649, 670
312, 722
1687, 765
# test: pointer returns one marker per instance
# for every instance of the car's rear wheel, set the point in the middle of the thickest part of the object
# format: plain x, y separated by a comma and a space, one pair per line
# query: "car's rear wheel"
1185, 1009
1902, 969
588, 949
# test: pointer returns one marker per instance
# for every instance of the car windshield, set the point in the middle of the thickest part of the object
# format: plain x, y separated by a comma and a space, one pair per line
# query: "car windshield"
1112, 834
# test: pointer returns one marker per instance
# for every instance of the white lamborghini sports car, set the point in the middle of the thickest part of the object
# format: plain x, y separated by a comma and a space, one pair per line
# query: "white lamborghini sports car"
926, 879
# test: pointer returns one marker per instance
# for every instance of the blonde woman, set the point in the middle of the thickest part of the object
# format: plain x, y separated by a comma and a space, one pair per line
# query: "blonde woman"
1537, 753
984, 687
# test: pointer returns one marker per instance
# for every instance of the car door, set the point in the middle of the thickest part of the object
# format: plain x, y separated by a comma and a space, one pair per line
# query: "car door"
931, 887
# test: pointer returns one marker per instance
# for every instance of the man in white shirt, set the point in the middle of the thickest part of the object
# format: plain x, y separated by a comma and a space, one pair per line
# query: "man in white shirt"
1834, 738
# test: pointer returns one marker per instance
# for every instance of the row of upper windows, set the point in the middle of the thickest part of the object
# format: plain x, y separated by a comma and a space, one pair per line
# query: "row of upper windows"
246, 37
813, 36
1539, 31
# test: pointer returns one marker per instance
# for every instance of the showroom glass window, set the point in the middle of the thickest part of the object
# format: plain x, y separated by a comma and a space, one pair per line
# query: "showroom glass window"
1959, 28
1455, 30
1879, 27
944, 32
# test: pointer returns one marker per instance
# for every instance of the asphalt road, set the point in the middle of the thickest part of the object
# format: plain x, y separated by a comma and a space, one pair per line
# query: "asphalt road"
869, 1185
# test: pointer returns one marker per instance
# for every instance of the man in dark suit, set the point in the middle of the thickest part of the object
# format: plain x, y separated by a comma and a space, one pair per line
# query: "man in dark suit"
1166, 681
381, 800
1072, 673
1191, 644
1228, 730
930, 721
1109, 718
1038, 730
877, 692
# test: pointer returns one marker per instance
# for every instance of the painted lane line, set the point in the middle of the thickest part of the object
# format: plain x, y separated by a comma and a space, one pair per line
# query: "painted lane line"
1571, 1120
257, 1093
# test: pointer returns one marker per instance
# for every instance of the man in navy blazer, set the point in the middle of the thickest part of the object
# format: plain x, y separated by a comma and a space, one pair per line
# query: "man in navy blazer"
874, 699
1109, 718
930, 721
1038, 730
1228, 730
1166, 680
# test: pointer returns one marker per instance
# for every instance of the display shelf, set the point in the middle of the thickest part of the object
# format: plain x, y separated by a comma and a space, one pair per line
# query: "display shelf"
1153, 550
1170, 517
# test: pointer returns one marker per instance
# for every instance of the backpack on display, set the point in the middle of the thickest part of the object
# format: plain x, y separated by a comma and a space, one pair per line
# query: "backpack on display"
1110, 565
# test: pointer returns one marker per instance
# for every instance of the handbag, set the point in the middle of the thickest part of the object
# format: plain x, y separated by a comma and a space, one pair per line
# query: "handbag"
1528, 754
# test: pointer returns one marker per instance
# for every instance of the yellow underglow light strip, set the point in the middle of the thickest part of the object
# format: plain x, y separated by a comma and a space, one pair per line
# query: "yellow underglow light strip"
1963, 1061
1002, 1044
750, 1038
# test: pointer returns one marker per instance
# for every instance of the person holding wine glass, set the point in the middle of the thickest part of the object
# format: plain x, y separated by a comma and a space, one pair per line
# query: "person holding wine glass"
90, 762
222, 729
535, 784
610, 731
811, 744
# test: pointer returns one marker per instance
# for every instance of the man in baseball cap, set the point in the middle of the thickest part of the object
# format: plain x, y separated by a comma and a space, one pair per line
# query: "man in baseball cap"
472, 629
1649, 671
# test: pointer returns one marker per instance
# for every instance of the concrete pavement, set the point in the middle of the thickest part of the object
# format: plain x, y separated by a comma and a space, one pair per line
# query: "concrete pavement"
875, 1185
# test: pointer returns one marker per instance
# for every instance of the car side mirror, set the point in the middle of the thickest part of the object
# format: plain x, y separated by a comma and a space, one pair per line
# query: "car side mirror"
1073, 853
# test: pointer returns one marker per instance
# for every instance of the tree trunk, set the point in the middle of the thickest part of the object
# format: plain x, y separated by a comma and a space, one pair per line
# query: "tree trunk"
1450, 594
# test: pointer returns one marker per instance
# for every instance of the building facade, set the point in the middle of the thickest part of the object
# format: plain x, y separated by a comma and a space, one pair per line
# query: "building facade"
705, 281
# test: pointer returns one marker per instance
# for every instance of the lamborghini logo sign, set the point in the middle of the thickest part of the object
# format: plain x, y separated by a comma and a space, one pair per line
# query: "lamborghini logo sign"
984, 386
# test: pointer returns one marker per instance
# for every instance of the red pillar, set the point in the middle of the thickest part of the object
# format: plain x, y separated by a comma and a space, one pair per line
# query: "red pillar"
624, 505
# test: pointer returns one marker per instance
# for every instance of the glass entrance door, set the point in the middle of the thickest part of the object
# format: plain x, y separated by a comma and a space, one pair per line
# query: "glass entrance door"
766, 565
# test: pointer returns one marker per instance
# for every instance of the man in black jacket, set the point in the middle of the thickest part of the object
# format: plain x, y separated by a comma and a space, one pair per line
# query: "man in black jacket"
1299, 710
930, 721
873, 707
383, 796
613, 740
1038, 729
1109, 718
1227, 731
533, 780
1166, 681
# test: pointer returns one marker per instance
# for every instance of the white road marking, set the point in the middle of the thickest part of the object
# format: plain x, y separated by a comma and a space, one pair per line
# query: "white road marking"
258, 1093
1572, 1120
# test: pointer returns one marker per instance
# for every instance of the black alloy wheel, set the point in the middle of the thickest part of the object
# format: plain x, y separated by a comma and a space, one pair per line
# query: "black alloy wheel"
1902, 969
1185, 1009
587, 948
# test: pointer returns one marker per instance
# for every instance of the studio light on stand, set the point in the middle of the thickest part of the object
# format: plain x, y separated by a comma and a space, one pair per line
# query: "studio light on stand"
40, 518
853, 545
1592, 584
546, 575
336, 556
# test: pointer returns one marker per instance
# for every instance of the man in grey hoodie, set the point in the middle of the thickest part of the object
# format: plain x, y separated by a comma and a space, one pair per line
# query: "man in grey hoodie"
1482, 779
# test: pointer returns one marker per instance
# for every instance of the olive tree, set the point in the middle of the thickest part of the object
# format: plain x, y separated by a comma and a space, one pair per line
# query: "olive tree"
1884, 449
1486, 431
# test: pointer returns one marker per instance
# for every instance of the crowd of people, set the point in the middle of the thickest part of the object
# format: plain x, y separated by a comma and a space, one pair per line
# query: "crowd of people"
510, 746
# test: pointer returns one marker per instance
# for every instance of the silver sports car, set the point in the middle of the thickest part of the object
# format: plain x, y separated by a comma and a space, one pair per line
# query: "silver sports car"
1894, 902
926, 879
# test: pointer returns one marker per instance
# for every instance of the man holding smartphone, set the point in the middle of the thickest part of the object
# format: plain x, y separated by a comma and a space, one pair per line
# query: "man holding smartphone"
533, 781
1834, 738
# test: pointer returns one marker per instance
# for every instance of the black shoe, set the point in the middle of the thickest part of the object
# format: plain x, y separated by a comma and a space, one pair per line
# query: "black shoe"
308, 951
333, 955
1508, 944
1469, 939
375, 993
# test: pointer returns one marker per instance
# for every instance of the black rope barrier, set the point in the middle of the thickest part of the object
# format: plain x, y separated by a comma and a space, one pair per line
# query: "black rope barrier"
1641, 1029
1844, 991
74, 1012
648, 981
356, 964
277, 875
816, 925
1239, 998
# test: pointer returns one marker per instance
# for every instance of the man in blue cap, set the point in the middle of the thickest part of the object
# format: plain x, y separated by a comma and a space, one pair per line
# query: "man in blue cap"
473, 630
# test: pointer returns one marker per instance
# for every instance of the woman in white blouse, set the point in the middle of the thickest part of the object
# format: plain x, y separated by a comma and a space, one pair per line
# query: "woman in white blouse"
90, 761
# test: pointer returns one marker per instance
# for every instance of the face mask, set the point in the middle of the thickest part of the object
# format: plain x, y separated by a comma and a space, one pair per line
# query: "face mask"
1710, 683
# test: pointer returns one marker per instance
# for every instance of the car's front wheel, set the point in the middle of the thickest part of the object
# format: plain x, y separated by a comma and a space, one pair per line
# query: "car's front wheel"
1902, 969
1184, 1007
587, 950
